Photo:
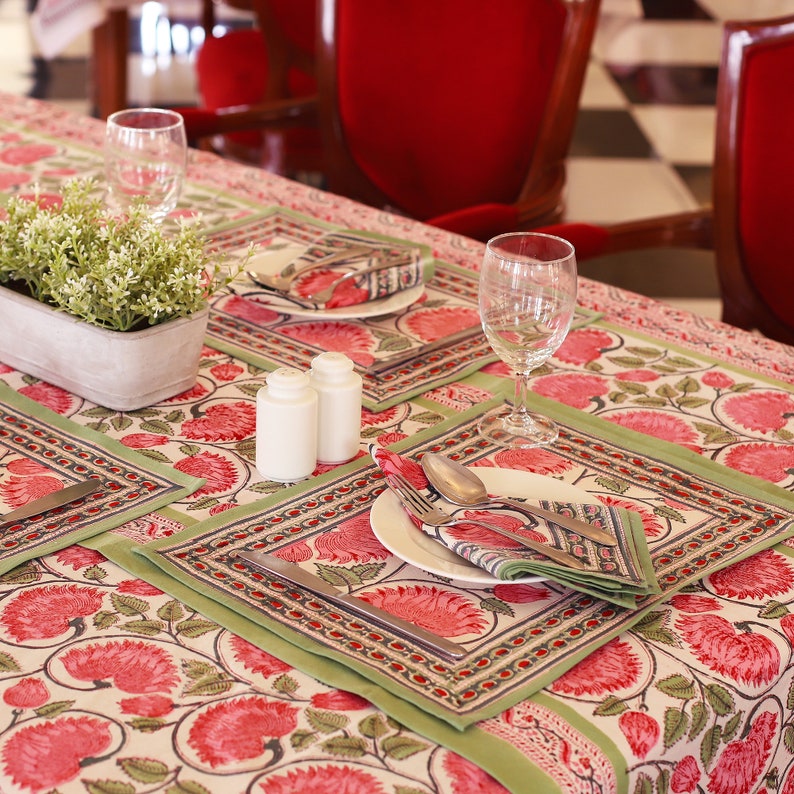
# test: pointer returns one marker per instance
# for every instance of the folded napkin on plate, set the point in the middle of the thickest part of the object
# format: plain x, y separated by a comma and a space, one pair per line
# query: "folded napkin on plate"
409, 269
620, 574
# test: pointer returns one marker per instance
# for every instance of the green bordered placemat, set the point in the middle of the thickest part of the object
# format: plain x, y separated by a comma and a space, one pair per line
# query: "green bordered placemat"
41, 451
702, 515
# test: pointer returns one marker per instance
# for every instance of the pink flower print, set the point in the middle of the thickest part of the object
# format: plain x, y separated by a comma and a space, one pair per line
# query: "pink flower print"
764, 412
686, 776
387, 439
521, 593
476, 533
358, 343
742, 763
196, 393
47, 755
223, 422
138, 587
27, 693
135, 667
773, 462
637, 376
610, 668
219, 472
584, 345
44, 613
52, 397
255, 659
337, 779
147, 706
250, 310
350, 541
240, 729
467, 778
538, 461
760, 577
499, 369
577, 390
143, 440
18, 491
44, 200
392, 463
11, 180
659, 425
430, 324
299, 551
339, 700
382, 418
226, 372
685, 602
447, 614
78, 557
717, 380
27, 153
749, 658
641, 731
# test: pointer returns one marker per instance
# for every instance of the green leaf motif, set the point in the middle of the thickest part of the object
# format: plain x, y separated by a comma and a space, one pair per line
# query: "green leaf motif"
691, 403
105, 619
195, 668
285, 684
300, 740
677, 686
633, 388
720, 699
369, 571
120, 423
654, 628
327, 721
204, 503
610, 706
175, 417
246, 448
129, 605
108, 787
95, 573
664, 511
154, 454
732, 726
627, 362
714, 434
53, 709
700, 716
681, 362
651, 402
645, 352
249, 388
644, 785
345, 746
158, 427
788, 738
101, 427
338, 576
8, 664
676, 724
401, 747
171, 612
710, 745
688, 385
22, 574
497, 606
373, 727
144, 770
774, 610
97, 413
393, 343
616, 486
148, 628
147, 724
195, 627
189, 450
428, 418
663, 782
668, 391
210, 685
409, 790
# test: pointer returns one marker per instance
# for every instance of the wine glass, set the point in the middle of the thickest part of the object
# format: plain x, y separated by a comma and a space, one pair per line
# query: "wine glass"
145, 156
527, 301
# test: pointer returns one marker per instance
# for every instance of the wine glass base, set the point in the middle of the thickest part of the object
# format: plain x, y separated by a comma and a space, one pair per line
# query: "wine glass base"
500, 428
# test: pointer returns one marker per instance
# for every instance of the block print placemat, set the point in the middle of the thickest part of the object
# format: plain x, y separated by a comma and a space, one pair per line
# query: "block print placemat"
41, 452
427, 344
698, 517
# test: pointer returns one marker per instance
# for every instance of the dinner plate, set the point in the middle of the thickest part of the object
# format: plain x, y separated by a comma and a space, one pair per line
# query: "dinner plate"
270, 262
395, 530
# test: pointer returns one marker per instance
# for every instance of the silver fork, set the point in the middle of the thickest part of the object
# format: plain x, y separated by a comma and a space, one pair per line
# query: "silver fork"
423, 509
324, 294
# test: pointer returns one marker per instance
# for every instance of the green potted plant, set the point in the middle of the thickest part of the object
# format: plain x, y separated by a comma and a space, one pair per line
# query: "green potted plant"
112, 308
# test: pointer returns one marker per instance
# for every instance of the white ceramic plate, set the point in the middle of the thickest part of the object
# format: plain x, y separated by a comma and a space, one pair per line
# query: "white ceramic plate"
395, 530
274, 261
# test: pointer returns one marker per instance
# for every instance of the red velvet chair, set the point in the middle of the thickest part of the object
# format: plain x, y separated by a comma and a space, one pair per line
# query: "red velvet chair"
269, 66
456, 112
748, 226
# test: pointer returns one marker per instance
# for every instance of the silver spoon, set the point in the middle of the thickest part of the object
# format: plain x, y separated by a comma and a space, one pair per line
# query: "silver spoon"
461, 486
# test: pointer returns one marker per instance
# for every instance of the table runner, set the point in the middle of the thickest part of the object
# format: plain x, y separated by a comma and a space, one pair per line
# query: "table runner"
698, 515
39, 449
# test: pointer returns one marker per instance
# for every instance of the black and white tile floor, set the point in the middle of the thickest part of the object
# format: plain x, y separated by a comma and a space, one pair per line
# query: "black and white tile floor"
644, 138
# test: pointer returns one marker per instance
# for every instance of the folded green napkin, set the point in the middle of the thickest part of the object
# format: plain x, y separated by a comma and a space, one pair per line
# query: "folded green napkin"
620, 574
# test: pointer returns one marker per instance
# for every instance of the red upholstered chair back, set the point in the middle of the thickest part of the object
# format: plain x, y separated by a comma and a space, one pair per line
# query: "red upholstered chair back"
431, 107
754, 176
275, 60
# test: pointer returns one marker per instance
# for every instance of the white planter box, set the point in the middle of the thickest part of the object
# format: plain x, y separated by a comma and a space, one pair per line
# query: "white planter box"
119, 370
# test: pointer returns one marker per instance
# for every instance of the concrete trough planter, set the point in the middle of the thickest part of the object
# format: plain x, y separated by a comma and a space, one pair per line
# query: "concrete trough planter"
122, 370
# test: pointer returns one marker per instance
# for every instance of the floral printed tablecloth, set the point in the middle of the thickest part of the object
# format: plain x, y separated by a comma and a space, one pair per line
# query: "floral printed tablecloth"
109, 683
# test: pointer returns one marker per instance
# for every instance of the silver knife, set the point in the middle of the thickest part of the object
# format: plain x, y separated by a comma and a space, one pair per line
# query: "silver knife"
48, 502
298, 576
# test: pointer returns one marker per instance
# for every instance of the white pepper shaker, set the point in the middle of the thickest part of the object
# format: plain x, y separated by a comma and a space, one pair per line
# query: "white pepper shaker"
338, 390
286, 426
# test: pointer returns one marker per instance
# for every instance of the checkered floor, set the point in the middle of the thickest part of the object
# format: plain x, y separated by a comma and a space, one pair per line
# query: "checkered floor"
644, 138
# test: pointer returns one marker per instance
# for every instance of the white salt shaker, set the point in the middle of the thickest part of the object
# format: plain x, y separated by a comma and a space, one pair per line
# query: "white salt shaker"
338, 390
286, 426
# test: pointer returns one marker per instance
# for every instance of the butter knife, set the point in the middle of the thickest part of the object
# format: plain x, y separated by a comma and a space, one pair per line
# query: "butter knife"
48, 502
302, 578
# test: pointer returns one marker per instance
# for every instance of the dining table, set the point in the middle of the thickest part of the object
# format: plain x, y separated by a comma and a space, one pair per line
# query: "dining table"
140, 653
